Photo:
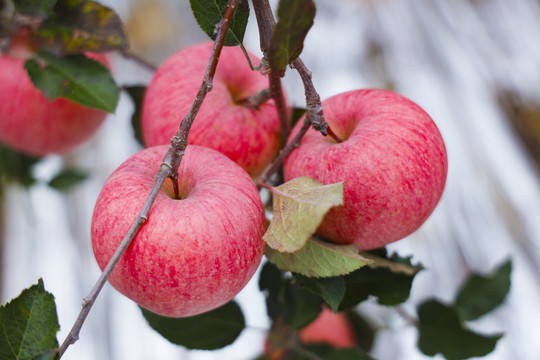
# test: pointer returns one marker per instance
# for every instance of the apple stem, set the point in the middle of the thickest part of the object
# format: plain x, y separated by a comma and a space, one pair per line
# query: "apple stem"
168, 169
174, 180
333, 135
254, 101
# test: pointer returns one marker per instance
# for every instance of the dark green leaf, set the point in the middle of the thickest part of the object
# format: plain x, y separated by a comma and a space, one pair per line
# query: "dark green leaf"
137, 94
302, 306
364, 332
28, 325
81, 25
295, 18
270, 283
210, 12
441, 331
209, 331
481, 294
331, 290
76, 77
389, 285
16, 166
40, 9
67, 179
286, 299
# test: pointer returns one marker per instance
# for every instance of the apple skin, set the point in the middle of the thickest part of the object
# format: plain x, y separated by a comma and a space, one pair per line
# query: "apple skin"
393, 163
329, 328
192, 255
29, 122
250, 137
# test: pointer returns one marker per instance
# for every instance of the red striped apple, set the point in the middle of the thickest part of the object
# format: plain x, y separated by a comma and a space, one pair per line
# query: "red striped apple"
392, 161
329, 328
31, 123
193, 254
248, 136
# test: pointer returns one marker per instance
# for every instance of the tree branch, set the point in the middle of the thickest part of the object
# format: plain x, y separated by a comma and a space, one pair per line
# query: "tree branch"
168, 169
314, 110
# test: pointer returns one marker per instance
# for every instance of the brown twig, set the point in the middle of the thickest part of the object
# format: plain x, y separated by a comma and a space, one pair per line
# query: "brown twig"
314, 111
168, 169
266, 24
256, 100
284, 152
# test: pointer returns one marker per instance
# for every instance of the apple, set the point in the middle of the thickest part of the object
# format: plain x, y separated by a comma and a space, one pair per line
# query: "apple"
329, 328
193, 254
248, 136
29, 122
392, 160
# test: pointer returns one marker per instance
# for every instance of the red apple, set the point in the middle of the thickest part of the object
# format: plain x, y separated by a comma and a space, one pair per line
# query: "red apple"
392, 161
329, 328
248, 136
193, 254
31, 123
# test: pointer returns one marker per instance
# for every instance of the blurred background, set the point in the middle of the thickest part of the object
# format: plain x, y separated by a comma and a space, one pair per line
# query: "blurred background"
473, 65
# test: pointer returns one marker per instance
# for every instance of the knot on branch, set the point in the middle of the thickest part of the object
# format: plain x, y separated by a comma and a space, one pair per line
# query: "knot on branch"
316, 118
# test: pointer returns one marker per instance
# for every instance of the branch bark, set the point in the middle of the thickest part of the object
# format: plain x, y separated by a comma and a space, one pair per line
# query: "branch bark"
168, 169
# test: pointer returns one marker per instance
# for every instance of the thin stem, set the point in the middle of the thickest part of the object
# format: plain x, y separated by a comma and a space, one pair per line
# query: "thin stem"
168, 169
406, 316
276, 164
266, 24
256, 100
276, 92
333, 135
314, 110
131, 56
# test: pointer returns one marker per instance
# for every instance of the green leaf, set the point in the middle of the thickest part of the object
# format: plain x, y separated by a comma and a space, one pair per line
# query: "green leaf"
331, 290
40, 9
287, 299
137, 95
209, 331
67, 179
16, 166
319, 259
302, 306
76, 77
389, 287
81, 25
364, 332
295, 18
481, 294
270, 283
299, 207
209, 13
441, 331
28, 325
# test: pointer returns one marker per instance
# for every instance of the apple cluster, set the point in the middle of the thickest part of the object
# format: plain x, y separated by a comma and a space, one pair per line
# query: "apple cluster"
198, 251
